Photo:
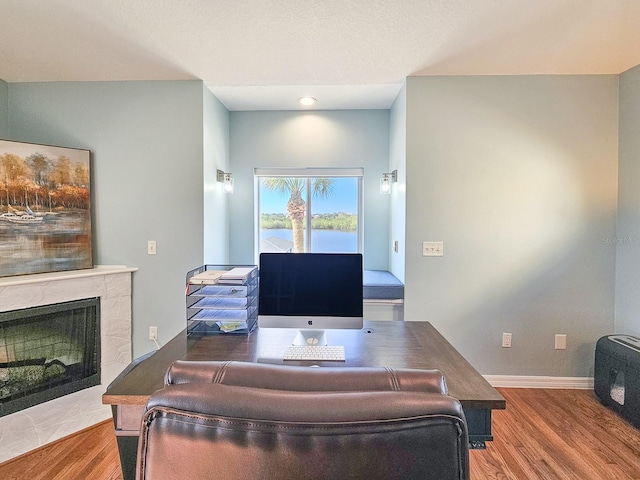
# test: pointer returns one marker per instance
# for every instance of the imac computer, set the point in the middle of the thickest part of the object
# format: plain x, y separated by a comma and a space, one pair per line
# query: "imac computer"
310, 292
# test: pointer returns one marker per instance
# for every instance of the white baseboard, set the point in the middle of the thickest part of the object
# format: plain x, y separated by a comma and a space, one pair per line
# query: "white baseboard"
522, 381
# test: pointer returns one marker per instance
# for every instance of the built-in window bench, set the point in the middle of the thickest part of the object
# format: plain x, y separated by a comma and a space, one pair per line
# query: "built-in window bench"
383, 296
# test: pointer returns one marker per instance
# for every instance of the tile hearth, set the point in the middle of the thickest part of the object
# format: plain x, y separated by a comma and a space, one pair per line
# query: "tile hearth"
28, 429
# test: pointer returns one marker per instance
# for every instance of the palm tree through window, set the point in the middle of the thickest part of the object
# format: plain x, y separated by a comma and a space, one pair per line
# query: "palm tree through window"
309, 213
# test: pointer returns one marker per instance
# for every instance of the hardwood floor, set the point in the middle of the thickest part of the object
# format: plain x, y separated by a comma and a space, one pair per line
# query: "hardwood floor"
91, 454
557, 434
543, 434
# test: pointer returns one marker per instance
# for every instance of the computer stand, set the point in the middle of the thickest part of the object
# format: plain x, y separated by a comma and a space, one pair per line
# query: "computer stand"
310, 337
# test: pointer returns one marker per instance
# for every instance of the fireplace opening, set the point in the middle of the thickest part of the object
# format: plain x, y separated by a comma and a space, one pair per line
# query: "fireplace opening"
47, 352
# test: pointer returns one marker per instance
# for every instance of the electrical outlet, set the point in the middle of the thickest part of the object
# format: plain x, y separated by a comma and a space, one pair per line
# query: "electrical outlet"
506, 340
561, 342
395, 246
153, 333
151, 247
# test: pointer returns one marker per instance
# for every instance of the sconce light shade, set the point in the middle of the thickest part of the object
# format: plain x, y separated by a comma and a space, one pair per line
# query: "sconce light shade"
228, 183
385, 184
227, 180
386, 180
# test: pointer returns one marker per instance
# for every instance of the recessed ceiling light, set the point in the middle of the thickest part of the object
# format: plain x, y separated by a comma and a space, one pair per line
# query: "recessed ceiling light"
307, 101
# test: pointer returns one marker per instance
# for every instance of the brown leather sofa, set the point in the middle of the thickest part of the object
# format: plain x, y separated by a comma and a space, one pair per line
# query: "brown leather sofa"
235, 420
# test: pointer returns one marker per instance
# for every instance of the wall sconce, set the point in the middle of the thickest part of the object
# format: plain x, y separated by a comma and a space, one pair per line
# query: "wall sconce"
227, 179
386, 180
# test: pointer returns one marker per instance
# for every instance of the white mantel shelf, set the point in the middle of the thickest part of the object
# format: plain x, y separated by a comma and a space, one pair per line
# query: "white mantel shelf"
69, 274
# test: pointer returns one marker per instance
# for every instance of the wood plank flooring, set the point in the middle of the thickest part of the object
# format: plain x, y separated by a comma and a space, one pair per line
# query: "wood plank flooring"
91, 454
542, 435
557, 434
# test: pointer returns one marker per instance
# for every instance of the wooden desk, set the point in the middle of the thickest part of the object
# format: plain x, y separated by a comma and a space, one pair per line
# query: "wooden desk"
388, 344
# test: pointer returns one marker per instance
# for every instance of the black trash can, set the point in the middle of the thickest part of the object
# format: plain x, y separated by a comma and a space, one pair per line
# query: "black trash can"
617, 375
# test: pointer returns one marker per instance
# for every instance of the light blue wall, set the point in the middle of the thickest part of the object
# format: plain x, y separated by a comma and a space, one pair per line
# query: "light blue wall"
628, 233
4, 109
518, 177
398, 161
344, 138
147, 173
216, 157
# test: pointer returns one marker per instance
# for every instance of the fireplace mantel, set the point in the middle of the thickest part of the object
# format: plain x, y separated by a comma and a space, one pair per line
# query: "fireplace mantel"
28, 429
66, 275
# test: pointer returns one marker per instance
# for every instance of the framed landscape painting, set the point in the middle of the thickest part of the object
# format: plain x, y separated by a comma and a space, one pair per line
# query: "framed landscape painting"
45, 208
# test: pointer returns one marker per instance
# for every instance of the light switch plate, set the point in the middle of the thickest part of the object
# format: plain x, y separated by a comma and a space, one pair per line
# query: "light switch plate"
432, 249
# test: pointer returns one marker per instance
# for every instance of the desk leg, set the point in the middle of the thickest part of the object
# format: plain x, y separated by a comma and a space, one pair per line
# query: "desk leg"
126, 419
128, 447
479, 426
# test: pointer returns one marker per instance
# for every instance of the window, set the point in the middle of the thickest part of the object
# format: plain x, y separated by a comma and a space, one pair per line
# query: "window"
309, 210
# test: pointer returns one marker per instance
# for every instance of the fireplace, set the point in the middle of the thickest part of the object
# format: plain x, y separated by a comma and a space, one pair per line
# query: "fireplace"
33, 427
48, 351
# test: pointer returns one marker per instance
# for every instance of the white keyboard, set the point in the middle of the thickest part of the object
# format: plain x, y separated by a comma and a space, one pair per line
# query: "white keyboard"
315, 352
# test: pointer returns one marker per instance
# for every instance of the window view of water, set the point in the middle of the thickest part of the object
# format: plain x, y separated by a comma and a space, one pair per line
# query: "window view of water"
329, 241
330, 202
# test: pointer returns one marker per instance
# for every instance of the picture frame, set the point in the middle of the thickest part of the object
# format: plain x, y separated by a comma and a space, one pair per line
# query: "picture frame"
45, 208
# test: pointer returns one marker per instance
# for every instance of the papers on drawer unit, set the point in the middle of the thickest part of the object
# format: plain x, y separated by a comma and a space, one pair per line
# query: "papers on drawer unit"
208, 277
231, 326
238, 275
235, 276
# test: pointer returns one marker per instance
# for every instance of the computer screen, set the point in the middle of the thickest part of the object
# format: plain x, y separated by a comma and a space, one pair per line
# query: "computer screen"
310, 291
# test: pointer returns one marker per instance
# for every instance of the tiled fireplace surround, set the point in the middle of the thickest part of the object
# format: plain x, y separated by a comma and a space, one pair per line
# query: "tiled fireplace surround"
28, 429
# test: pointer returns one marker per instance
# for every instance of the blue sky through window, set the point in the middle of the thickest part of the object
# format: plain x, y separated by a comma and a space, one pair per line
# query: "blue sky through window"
344, 198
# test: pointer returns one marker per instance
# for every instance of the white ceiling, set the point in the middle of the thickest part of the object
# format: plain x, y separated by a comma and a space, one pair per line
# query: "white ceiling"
264, 54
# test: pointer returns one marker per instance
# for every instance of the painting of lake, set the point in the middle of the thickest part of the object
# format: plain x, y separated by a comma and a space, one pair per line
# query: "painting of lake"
45, 209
